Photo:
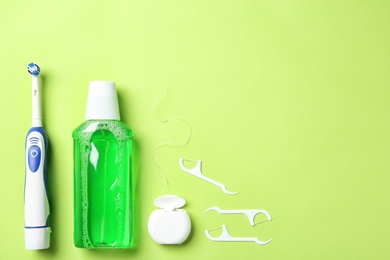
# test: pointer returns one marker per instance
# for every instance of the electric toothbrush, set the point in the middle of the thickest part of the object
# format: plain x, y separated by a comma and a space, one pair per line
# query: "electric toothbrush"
36, 204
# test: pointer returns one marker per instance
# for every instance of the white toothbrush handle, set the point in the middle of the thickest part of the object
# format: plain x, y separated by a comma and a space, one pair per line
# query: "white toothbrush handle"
36, 203
36, 103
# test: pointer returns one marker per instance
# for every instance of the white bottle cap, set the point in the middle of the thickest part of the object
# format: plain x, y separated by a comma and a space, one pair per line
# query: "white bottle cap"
102, 101
37, 238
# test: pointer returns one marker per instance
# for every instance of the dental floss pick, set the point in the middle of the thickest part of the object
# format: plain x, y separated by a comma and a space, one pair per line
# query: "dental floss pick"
169, 224
36, 203
226, 237
256, 223
197, 172
250, 214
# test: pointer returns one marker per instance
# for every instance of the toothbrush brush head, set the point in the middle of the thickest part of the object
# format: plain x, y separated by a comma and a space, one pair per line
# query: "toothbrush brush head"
33, 69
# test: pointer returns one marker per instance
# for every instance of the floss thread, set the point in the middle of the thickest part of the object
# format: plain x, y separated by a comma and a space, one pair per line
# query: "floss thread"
172, 144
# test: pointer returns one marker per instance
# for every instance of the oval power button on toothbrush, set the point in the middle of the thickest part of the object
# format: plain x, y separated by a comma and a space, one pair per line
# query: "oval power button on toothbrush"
169, 224
34, 158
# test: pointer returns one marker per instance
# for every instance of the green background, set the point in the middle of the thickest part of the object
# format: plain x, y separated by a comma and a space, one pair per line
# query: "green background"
288, 102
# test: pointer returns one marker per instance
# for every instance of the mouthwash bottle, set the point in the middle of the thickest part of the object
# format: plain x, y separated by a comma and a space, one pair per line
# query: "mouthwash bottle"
102, 173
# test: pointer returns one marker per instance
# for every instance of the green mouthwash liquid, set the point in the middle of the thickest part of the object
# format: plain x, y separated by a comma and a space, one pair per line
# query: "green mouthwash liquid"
102, 174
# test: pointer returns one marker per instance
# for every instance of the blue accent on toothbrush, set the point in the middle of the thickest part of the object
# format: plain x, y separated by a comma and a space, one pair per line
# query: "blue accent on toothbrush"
34, 158
33, 69
36, 227
35, 141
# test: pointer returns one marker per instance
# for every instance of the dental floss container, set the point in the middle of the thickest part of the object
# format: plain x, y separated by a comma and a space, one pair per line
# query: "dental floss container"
169, 224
